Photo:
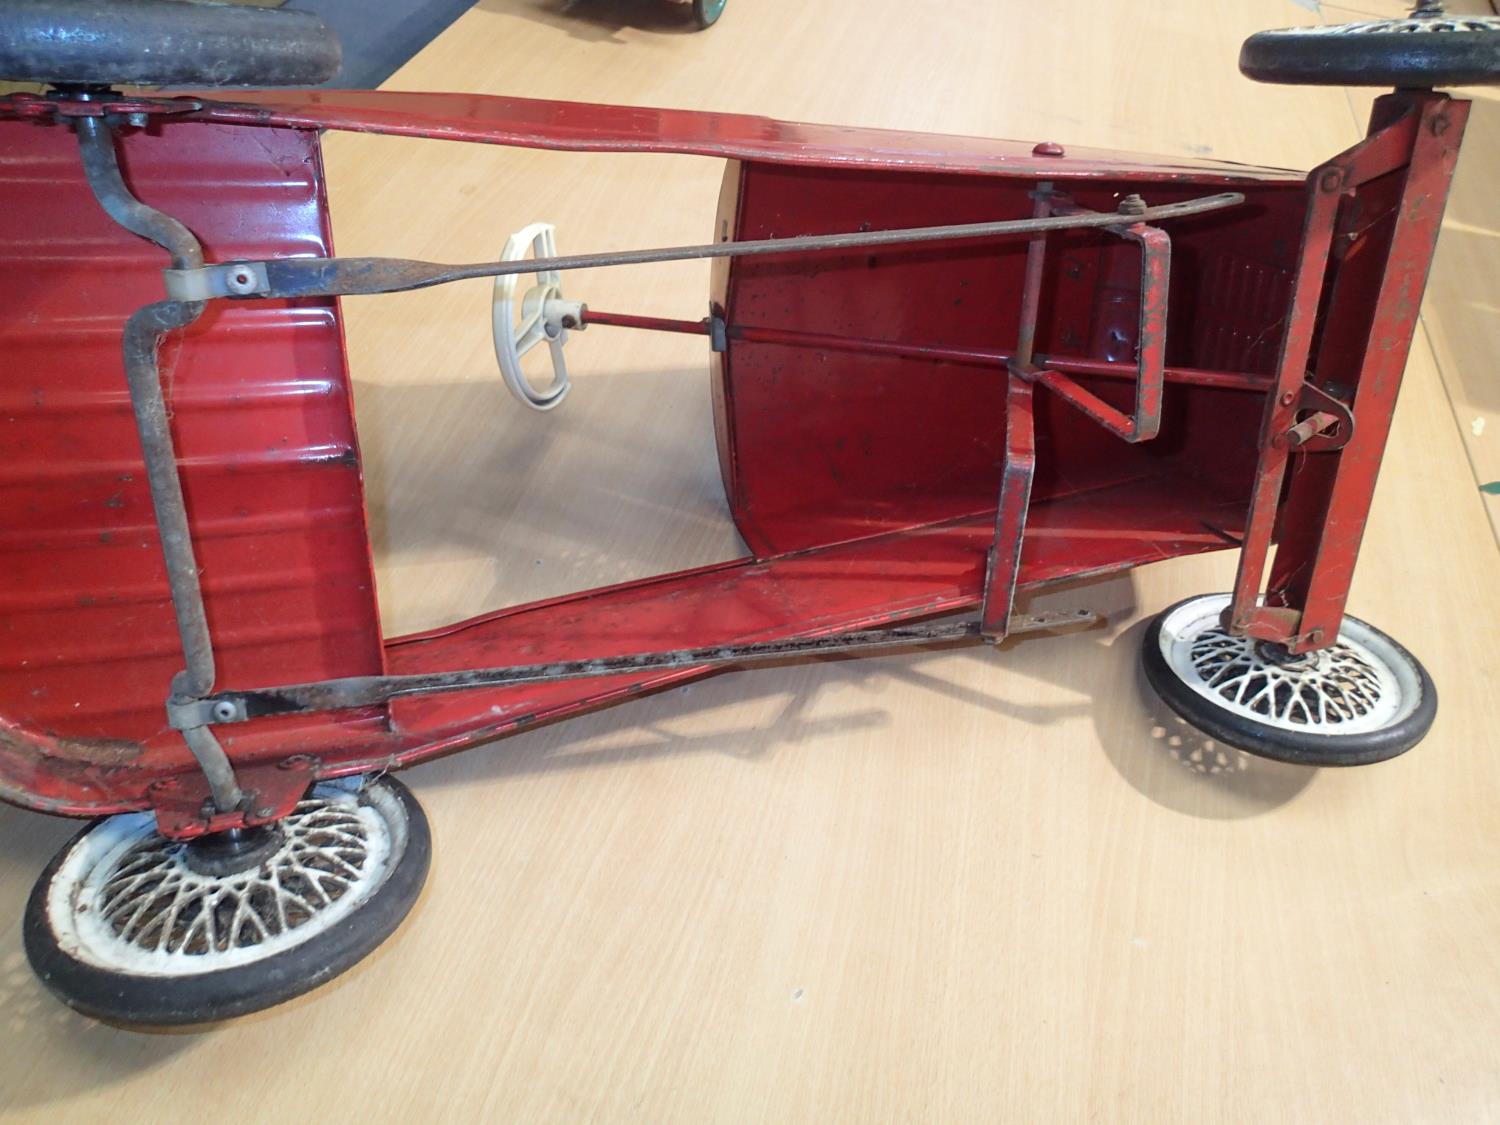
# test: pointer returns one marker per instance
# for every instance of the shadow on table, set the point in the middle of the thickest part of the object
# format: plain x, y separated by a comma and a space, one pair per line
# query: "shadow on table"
1178, 766
1157, 753
88, 1054
95, 1054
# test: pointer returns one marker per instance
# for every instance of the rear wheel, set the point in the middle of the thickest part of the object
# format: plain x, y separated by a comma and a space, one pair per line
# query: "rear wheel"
1426, 49
128, 926
1363, 699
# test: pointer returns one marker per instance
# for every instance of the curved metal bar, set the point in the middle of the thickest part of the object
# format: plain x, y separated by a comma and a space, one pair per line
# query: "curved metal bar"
96, 145
142, 340
143, 333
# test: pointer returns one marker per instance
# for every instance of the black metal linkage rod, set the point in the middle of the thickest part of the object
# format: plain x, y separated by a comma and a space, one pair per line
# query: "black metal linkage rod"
342, 277
369, 691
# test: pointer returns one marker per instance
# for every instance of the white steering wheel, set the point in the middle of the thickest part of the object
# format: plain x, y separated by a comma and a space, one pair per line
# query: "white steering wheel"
543, 315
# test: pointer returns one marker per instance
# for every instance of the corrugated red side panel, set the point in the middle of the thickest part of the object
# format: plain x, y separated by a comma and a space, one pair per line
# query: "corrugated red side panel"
823, 446
259, 396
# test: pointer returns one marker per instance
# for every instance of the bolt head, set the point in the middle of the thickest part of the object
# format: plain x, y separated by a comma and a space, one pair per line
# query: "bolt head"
224, 710
240, 279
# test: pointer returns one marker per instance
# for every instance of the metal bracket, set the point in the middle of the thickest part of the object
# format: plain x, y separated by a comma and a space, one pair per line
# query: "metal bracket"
1325, 423
112, 105
224, 279
1143, 423
187, 714
185, 808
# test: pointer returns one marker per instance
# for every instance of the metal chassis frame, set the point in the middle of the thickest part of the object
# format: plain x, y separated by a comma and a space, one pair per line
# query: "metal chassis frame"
1405, 164
192, 707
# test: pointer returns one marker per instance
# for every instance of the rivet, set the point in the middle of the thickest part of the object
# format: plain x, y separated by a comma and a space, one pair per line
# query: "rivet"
1048, 148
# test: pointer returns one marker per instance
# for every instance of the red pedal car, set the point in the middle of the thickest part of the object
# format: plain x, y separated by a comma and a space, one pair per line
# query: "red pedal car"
945, 371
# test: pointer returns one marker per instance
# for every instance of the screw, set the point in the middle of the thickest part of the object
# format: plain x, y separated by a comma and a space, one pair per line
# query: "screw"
1132, 204
1331, 180
139, 120
241, 280
1048, 148
266, 812
1287, 399
225, 711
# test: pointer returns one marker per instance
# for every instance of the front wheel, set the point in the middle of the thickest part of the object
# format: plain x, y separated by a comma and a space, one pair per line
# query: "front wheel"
1425, 49
1363, 699
128, 926
707, 12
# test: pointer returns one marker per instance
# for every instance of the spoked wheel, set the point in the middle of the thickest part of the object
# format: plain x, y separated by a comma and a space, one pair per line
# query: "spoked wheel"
707, 12
128, 926
1363, 699
1426, 49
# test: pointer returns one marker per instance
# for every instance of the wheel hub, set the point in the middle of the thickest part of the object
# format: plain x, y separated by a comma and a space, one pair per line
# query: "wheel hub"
1284, 658
231, 853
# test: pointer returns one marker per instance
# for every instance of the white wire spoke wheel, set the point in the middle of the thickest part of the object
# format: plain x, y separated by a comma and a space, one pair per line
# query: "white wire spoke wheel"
1362, 699
129, 926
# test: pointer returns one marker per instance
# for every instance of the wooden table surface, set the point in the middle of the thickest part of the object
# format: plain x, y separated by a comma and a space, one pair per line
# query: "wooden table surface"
956, 886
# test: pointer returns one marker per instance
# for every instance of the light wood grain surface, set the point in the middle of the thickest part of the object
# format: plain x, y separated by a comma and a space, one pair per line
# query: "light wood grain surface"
956, 886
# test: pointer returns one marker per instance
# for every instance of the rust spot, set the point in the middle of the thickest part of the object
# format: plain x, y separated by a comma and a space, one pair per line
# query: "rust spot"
348, 459
85, 751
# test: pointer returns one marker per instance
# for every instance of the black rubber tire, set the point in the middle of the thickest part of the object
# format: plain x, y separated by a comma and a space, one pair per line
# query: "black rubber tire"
163, 43
1378, 53
154, 1001
706, 13
1277, 743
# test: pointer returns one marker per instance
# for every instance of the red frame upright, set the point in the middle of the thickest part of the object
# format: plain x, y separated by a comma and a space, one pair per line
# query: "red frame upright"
1373, 217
